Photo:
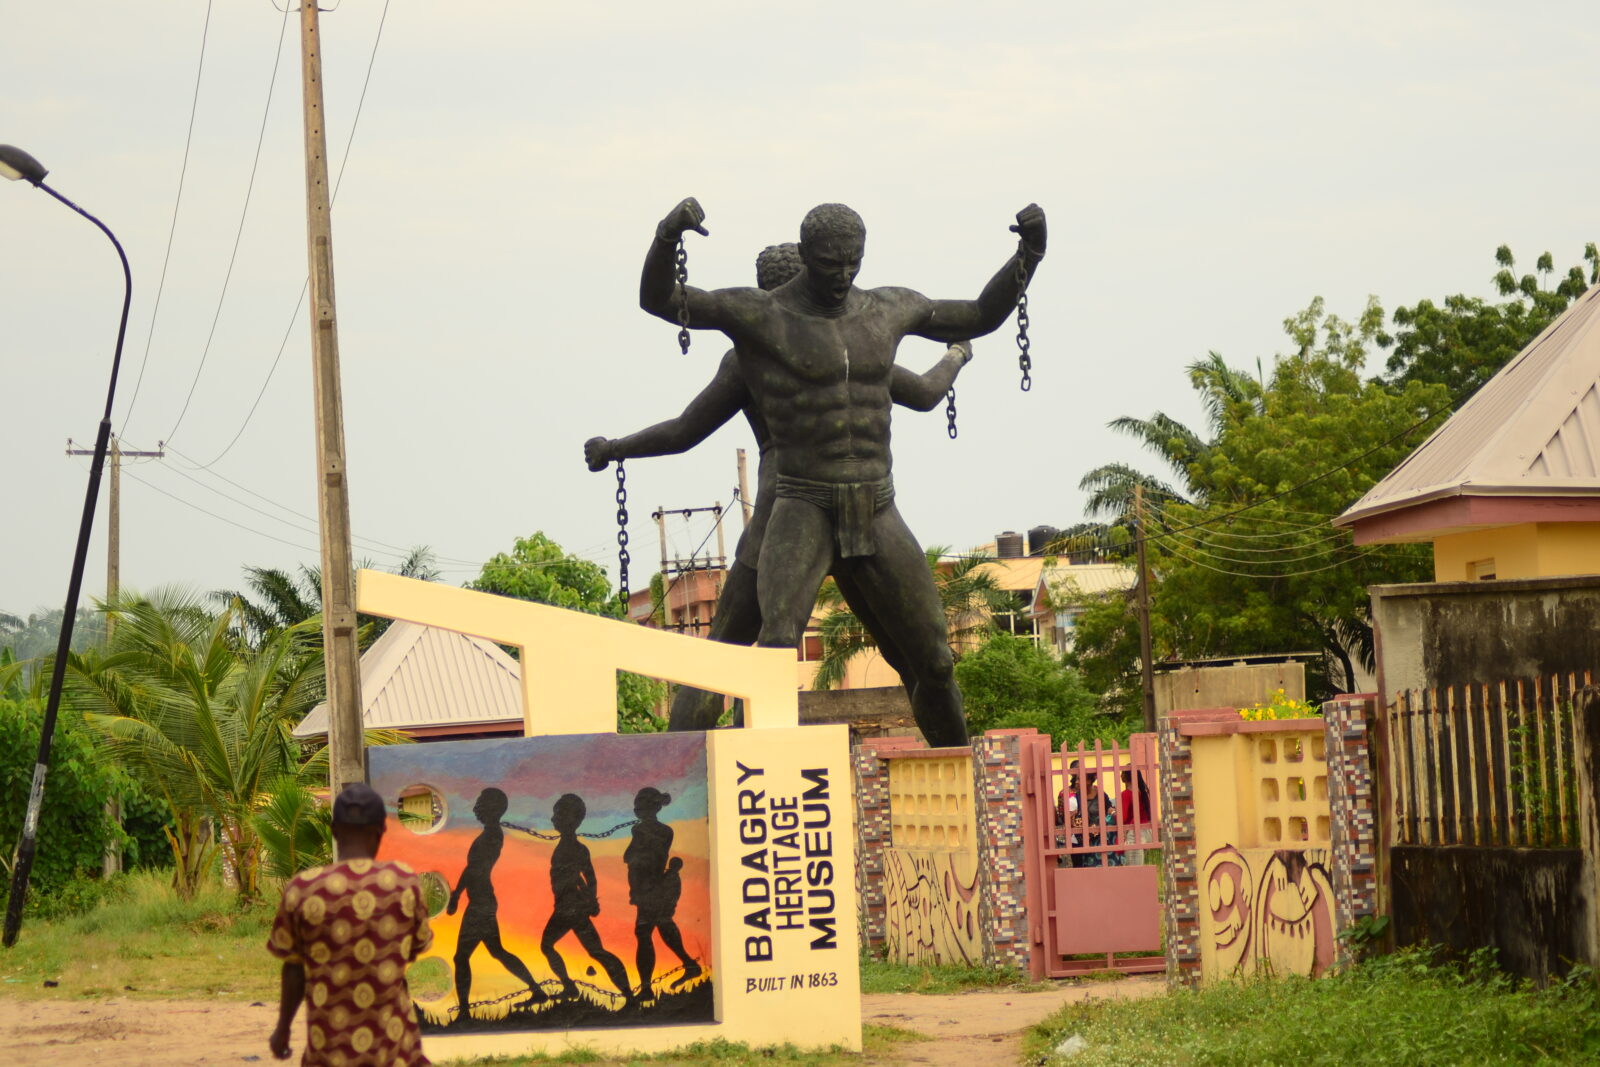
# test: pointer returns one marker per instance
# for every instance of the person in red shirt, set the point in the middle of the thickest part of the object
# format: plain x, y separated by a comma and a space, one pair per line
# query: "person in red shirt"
345, 933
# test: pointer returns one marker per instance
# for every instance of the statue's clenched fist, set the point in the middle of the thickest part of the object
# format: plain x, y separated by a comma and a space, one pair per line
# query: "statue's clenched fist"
1030, 227
688, 215
597, 453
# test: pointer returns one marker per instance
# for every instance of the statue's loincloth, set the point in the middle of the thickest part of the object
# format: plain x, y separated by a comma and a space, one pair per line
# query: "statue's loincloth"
851, 505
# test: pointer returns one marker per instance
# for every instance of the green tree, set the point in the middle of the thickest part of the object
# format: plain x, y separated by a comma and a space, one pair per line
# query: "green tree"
539, 569
968, 591
1248, 562
37, 635
1010, 682
1463, 341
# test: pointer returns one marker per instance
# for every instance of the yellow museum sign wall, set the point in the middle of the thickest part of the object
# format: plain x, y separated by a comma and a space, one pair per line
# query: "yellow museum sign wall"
778, 811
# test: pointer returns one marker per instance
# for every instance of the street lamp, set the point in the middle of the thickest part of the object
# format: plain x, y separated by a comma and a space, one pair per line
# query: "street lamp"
18, 165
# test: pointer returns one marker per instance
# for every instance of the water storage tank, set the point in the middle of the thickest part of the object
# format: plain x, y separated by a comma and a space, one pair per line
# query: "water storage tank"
1008, 544
1040, 538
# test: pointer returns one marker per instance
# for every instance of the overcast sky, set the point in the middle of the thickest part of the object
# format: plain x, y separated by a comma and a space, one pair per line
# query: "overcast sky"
1207, 169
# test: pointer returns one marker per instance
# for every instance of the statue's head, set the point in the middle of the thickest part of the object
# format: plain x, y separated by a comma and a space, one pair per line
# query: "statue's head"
777, 264
832, 240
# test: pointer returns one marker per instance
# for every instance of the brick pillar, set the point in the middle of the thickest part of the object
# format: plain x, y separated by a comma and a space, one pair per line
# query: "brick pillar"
1353, 806
998, 792
1178, 860
870, 778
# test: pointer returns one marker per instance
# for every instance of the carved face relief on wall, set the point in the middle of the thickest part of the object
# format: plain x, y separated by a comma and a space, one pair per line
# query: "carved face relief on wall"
1279, 919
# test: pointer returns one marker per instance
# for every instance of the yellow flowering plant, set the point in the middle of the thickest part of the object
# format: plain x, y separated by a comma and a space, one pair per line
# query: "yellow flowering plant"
1280, 707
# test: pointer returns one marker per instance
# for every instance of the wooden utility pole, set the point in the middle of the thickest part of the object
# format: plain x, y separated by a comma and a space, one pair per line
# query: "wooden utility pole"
744, 491
1147, 679
341, 655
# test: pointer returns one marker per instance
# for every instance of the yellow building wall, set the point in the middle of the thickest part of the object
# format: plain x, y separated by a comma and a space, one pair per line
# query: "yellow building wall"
1262, 833
1527, 550
930, 881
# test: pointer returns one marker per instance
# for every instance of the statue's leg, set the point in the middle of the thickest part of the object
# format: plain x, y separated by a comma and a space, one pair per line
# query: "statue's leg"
844, 576
736, 621
900, 592
795, 555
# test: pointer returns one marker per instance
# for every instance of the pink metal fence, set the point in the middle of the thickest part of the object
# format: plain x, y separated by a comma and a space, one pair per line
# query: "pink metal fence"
1093, 817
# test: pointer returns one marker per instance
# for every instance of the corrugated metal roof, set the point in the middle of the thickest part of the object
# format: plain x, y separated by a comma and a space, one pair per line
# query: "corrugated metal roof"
418, 675
1067, 583
1532, 430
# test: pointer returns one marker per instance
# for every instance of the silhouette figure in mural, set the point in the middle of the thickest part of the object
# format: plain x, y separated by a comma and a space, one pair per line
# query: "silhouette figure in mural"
577, 899
817, 355
736, 619
654, 885
481, 924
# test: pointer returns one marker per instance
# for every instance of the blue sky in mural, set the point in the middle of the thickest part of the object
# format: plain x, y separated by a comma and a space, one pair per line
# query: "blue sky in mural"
605, 769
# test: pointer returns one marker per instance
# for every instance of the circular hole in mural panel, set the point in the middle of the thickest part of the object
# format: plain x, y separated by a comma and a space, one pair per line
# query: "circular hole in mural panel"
435, 892
421, 809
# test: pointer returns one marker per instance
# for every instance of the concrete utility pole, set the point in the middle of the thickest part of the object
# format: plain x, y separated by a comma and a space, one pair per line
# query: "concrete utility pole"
114, 506
1147, 679
342, 657
744, 491
111, 862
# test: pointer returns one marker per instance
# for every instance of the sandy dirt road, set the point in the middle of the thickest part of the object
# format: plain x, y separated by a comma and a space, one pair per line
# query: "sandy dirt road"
970, 1029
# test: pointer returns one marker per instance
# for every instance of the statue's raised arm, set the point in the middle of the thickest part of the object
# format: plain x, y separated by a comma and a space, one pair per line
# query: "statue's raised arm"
712, 407
922, 392
722, 309
962, 320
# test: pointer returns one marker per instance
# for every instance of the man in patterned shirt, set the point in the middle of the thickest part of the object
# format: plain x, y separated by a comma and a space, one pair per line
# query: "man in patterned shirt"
345, 932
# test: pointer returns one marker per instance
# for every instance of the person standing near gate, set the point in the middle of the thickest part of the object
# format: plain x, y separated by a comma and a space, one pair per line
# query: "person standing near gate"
1136, 821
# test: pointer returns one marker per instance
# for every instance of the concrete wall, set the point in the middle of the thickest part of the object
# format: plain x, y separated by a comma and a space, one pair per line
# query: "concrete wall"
1454, 633
1230, 686
879, 712
1528, 903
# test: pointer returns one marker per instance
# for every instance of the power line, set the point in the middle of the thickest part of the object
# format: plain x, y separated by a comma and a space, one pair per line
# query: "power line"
183, 170
372, 58
1290, 574
244, 212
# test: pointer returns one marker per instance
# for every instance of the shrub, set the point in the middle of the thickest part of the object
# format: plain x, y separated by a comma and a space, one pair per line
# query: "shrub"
73, 828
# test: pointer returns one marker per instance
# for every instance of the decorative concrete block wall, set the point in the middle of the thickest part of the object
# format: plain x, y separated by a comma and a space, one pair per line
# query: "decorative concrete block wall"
999, 934
1352, 795
997, 786
1181, 913
1266, 805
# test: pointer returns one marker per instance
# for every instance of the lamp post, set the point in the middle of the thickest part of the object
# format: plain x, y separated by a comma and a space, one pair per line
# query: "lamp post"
18, 165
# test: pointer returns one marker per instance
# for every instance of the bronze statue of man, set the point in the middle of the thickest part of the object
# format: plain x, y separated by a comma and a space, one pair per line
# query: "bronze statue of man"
817, 355
736, 619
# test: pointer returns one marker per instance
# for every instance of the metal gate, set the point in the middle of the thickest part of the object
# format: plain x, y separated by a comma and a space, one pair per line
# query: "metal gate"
1093, 857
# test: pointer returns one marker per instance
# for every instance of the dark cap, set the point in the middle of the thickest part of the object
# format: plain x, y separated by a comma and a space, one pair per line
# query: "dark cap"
358, 804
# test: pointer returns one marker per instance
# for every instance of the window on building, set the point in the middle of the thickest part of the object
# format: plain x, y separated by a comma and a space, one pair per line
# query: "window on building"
1481, 570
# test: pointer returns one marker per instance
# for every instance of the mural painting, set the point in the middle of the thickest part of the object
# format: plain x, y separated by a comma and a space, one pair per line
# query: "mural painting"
931, 906
1267, 911
558, 867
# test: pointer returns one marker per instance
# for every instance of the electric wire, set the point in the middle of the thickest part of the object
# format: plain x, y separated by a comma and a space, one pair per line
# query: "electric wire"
1289, 574
1193, 544
172, 229
244, 212
305, 285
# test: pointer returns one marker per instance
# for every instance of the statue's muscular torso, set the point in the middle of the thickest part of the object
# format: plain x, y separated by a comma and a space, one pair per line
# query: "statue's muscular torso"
822, 383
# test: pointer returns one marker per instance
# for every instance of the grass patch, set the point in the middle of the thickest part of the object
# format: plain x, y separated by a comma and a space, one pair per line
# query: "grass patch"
874, 1040
143, 941
1402, 1009
884, 976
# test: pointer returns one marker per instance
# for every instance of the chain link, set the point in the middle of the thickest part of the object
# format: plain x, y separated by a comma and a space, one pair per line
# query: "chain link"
682, 261
950, 410
623, 558
1024, 358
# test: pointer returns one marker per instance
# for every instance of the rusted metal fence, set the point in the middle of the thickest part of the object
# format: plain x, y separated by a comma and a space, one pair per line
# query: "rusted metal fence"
1488, 764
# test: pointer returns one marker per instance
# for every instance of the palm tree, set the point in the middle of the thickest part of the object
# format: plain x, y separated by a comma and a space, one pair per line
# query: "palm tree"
277, 600
203, 720
1225, 393
969, 593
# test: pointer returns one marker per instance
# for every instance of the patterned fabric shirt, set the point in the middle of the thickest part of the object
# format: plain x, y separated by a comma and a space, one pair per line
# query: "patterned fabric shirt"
354, 926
